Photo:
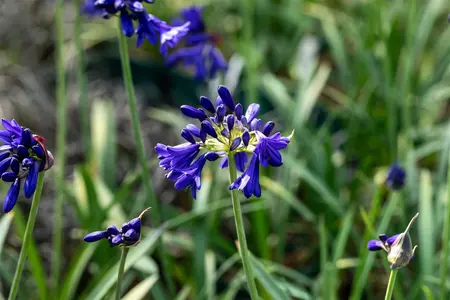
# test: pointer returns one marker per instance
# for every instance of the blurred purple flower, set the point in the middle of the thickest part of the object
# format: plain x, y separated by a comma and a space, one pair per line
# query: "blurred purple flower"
221, 134
396, 177
200, 51
22, 157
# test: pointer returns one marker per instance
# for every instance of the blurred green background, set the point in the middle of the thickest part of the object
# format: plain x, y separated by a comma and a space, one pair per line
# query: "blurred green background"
363, 83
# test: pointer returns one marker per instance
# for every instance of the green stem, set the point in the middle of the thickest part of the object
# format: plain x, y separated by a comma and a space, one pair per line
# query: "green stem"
241, 232
60, 143
390, 287
27, 237
82, 82
445, 239
129, 88
358, 282
123, 258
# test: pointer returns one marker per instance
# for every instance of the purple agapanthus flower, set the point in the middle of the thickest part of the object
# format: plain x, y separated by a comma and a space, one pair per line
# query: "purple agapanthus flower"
22, 157
148, 27
399, 247
224, 130
200, 51
128, 235
396, 177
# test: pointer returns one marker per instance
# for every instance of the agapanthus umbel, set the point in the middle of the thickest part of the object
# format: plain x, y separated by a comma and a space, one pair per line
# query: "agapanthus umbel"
224, 129
148, 27
399, 247
128, 235
22, 157
200, 51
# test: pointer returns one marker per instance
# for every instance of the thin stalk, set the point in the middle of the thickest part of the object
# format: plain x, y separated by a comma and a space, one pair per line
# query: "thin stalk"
27, 237
390, 287
82, 82
142, 158
358, 284
61, 144
446, 239
123, 258
241, 232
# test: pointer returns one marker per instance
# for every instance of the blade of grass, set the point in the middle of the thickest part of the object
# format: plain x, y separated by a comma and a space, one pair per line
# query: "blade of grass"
426, 224
141, 290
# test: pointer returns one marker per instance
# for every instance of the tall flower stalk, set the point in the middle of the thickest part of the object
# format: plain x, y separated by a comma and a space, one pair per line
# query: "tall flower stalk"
241, 232
60, 145
123, 258
142, 158
391, 283
27, 238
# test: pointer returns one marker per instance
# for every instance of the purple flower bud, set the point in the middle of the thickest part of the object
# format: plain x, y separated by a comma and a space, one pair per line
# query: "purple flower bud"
396, 177
116, 240
219, 101
112, 230
192, 112
26, 138
203, 135
95, 236
211, 156
11, 196
27, 162
22, 152
230, 122
244, 121
268, 128
238, 109
4, 164
374, 245
131, 235
15, 166
187, 136
252, 112
225, 94
208, 128
207, 104
30, 184
194, 130
235, 143
39, 151
256, 124
220, 112
136, 224
4, 155
9, 176
246, 138
225, 132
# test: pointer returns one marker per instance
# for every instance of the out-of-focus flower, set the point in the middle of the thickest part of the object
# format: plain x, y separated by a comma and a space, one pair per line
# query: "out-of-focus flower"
399, 247
200, 51
148, 27
396, 177
224, 129
128, 235
22, 157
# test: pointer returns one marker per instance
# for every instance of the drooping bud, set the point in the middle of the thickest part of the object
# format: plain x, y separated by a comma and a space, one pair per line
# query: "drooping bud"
401, 251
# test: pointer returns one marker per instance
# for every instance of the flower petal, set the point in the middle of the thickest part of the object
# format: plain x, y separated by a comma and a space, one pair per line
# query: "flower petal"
11, 196
31, 182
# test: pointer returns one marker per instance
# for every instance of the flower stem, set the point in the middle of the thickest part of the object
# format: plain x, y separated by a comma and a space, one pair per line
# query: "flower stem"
390, 287
129, 88
60, 145
123, 258
445, 239
82, 82
241, 232
27, 237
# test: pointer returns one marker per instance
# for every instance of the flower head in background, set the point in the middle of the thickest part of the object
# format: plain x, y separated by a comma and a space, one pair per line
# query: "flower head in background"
148, 27
224, 130
128, 235
396, 177
22, 157
399, 247
200, 51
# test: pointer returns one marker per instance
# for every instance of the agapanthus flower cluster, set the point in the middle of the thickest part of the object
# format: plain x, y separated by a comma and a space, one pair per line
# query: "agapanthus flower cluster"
128, 235
396, 177
22, 157
148, 27
224, 130
200, 51
399, 247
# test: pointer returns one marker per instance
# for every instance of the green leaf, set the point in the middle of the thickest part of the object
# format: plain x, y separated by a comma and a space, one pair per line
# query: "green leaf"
141, 290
